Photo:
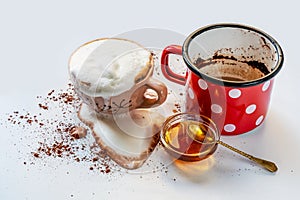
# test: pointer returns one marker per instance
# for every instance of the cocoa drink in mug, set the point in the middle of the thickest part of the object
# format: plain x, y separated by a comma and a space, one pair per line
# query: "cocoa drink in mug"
230, 74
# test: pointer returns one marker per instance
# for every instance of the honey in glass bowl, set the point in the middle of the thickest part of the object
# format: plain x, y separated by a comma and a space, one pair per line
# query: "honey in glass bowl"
189, 137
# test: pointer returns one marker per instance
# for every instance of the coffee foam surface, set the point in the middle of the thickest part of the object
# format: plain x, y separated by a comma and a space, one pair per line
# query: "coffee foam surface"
129, 139
231, 68
108, 67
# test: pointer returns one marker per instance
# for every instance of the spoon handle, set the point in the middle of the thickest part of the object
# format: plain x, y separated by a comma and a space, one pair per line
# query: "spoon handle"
270, 166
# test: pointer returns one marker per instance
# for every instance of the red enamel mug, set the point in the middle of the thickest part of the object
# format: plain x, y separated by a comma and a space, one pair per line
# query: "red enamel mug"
229, 76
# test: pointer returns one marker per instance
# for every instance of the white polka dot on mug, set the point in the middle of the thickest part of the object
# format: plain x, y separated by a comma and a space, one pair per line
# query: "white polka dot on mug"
202, 84
250, 109
235, 93
216, 108
229, 128
191, 93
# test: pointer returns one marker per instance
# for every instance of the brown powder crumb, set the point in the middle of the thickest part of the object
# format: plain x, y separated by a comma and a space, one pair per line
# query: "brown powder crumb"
36, 155
178, 108
43, 106
78, 132
50, 93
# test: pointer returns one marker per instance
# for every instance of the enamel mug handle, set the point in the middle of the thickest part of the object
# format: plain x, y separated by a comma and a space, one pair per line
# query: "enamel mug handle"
165, 68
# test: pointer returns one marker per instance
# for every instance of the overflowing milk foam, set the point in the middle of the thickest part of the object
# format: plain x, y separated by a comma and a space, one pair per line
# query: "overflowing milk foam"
128, 150
109, 67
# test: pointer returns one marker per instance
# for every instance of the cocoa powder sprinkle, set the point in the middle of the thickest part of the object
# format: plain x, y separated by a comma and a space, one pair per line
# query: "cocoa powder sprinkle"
59, 132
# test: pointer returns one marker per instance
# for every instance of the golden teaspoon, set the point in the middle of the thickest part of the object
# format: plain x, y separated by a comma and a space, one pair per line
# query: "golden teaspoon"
199, 133
270, 166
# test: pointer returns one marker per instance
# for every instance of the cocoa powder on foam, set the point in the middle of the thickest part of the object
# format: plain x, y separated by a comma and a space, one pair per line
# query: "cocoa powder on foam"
58, 132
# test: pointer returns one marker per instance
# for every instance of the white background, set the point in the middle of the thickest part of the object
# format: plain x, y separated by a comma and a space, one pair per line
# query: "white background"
36, 41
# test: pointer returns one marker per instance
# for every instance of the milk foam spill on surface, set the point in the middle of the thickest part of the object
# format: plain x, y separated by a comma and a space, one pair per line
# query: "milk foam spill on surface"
128, 150
108, 67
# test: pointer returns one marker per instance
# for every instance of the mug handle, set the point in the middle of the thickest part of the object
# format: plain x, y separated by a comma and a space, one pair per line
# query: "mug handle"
165, 68
146, 101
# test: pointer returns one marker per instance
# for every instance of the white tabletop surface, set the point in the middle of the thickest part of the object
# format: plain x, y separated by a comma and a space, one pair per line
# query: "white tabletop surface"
36, 41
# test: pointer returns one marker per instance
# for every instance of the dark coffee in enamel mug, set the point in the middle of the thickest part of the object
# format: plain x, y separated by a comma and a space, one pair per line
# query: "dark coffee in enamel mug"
230, 74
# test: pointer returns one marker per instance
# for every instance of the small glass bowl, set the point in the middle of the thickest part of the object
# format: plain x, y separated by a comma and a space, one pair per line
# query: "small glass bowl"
189, 137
